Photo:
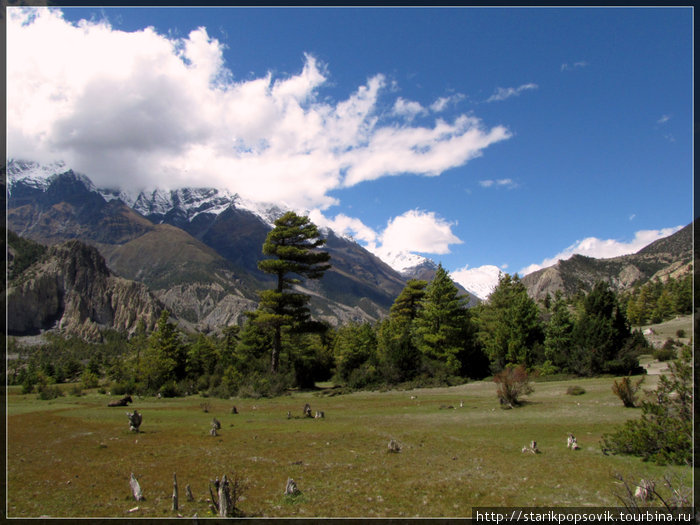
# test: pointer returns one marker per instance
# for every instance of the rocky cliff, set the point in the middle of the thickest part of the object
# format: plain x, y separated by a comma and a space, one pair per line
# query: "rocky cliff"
72, 289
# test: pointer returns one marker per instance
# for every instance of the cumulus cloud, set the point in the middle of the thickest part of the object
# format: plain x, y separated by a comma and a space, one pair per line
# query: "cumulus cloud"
604, 248
504, 93
142, 109
418, 231
415, 231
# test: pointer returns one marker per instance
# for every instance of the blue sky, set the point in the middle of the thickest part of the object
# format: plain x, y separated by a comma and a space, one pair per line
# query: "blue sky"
481, 138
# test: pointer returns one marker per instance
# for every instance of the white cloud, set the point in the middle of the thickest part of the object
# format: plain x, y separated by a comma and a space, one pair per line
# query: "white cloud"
442, 103
481, 281
408, 108
503, 183
142, 109
418, 231
604, 248
576, 65
411, 232
663, 119
504, 93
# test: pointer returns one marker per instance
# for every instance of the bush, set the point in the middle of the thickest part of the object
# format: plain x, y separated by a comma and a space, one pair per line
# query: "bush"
76, 390
627, 390
89, 379
575, 390
169, 389
49, 392
664, 354
680, 333
664, 433
513, 382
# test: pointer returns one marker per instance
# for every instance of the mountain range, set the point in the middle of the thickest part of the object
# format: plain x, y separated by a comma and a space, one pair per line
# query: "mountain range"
196, 251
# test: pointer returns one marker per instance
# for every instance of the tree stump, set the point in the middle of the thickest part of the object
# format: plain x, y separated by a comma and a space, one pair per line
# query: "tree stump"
394, 446
234, 410
225, 504
320, 414
134, 420
175, 502
532, 448
188, 492
307, 410
215, 423
291, 488
136, 488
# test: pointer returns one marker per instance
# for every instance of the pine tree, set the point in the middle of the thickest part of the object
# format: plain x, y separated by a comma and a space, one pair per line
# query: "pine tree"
443, 329
509, 325
558, 333
295, 242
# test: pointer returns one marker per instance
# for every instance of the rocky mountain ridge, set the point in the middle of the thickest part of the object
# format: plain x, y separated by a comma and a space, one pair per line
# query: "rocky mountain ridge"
668, 257
71, 288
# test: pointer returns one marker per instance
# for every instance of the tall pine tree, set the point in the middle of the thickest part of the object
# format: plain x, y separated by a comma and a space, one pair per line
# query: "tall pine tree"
295, 243
443, 329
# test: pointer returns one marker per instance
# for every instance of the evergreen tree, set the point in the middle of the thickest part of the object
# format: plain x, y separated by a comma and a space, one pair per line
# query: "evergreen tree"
399, 356
164, 358
443, 329
600, 335
509, 325
559, 333
295, 242
354, 346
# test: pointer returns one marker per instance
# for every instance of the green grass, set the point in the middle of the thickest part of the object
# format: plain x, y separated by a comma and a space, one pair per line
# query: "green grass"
73, 456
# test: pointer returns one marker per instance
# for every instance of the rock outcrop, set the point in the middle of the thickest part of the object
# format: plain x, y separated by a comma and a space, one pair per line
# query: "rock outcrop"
72, 289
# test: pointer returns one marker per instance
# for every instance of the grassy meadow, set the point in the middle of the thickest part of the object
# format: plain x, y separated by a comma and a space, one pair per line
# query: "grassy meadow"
73, 456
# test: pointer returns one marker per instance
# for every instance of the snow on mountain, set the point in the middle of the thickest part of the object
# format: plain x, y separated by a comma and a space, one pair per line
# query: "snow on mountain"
402, 261
32, 173
480, 281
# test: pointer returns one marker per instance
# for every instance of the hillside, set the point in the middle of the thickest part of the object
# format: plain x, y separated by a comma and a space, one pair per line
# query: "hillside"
670, 256
197, 250
70, 288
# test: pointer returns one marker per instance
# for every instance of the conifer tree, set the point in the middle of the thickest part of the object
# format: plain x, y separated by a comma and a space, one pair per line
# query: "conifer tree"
295, 243
558, 333
443, 324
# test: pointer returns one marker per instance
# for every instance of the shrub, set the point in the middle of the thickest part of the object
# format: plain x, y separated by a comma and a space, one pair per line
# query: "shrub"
664, 354
49, 392
76, 390
575, 390
664, 433
89, 379
513, 382
627, 390
547, 369
169, 389
680, 333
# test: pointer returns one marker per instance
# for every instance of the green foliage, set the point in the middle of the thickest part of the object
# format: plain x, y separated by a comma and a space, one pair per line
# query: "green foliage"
443, 329
627, 390
295, 242
513, 383
657, 301
89, 379
509, 325
664, 432
601, 337
575, 390
559, 333
355, 344
26, 253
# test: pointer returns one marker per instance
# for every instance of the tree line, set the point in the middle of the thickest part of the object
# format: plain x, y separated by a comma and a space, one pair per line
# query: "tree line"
430, 337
